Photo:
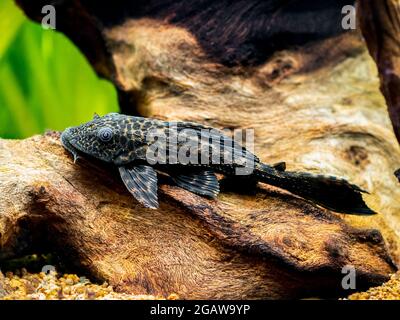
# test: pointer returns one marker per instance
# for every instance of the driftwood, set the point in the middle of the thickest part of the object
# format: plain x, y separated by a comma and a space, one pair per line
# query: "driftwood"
268, 245
380, 23
316, 106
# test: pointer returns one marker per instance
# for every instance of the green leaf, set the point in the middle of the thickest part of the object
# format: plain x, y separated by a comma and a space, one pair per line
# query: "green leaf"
45, 81
11, 19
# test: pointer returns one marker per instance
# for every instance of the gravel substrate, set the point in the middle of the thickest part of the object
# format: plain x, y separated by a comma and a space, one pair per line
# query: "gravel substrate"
41, 286
388, 291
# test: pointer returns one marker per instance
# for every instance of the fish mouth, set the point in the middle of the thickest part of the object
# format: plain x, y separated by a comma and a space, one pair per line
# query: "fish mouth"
65, 141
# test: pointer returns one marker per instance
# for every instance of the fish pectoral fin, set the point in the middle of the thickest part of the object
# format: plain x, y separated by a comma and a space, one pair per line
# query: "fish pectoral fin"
280, 166
141, 182
202, 182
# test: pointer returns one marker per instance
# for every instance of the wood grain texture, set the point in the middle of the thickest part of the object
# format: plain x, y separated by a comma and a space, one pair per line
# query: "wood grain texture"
380, 24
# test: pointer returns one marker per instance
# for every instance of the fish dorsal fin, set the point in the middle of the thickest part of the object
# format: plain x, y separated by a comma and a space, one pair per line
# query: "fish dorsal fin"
141, 182
202, 182
280, 166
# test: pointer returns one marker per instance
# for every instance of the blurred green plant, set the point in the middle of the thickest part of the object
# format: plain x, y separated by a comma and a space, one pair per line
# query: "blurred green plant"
45, 82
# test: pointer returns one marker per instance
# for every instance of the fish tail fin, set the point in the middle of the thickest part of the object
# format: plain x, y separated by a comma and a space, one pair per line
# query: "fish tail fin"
328, 191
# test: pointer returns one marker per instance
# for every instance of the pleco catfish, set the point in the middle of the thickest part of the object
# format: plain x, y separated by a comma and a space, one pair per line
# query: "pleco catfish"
191, 154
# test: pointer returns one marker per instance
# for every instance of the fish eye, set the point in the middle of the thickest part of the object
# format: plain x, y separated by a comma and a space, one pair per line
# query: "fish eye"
105, 134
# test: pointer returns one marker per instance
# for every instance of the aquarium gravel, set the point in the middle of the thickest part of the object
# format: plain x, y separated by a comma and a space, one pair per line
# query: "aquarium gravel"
51, 286
388, 291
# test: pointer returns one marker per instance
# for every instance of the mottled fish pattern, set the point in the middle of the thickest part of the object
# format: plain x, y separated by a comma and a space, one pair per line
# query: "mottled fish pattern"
124, 141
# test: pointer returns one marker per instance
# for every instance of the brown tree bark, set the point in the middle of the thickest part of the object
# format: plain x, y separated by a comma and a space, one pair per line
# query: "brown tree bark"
316, 106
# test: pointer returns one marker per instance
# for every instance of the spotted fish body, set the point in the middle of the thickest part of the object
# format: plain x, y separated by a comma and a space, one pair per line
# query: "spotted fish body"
128, 143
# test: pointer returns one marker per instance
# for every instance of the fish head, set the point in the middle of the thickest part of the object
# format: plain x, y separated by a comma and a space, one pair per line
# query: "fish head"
103, 138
